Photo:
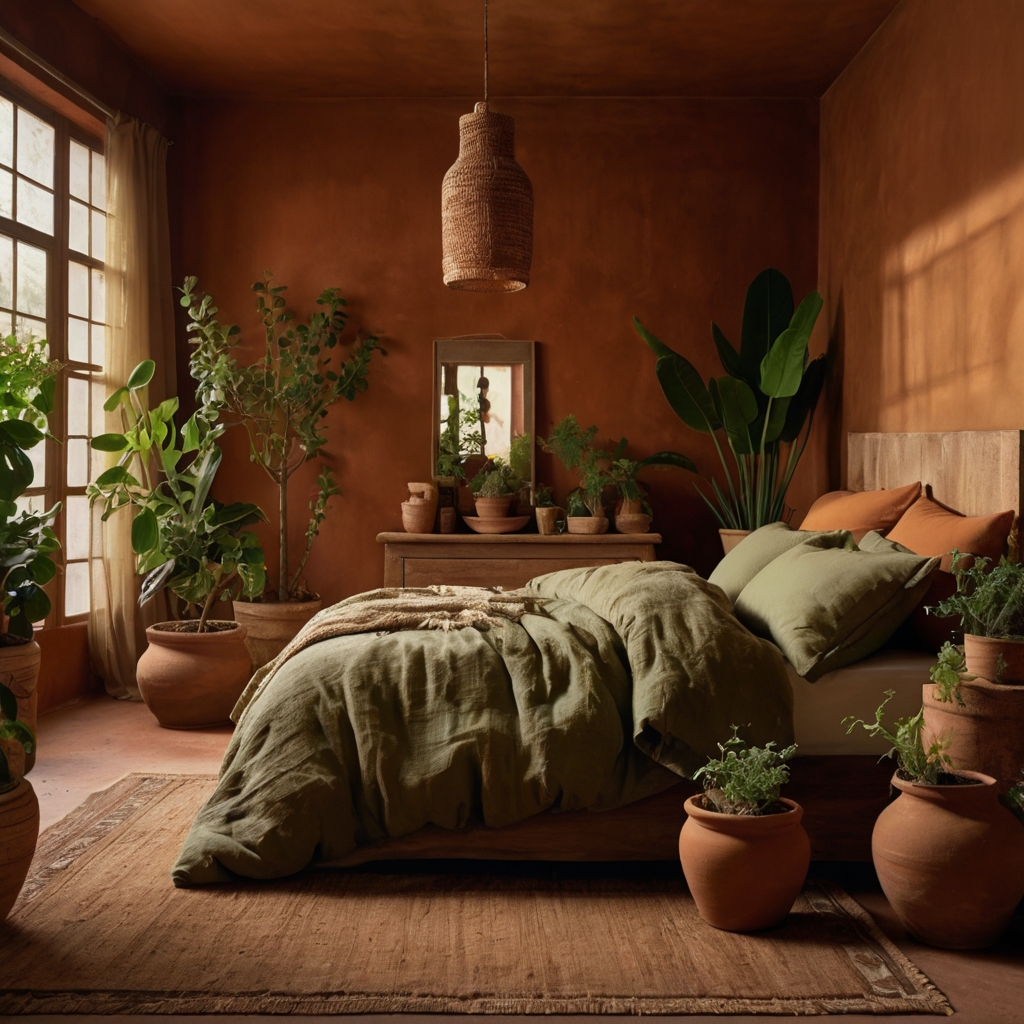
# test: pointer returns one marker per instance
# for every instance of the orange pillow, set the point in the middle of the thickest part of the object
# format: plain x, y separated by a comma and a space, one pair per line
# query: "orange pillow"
928, 528
861, 511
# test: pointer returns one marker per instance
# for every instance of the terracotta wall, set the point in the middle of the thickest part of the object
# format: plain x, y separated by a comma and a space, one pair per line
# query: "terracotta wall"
922, 222
662, 208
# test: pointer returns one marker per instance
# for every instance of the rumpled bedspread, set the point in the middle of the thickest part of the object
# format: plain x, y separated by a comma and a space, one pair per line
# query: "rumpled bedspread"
625, 678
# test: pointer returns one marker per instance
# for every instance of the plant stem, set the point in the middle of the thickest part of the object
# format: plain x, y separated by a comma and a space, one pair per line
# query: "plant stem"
282, 517
213, 596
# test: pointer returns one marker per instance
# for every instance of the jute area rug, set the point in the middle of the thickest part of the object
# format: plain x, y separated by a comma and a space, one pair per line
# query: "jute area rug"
100, 929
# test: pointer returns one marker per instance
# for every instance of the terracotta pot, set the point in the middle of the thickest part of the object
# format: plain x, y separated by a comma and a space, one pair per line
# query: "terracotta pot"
19, 669
744, 871
986, 734
983, 654
190, 680
950, 860
587, 524
730, 538
493, 508
418, 517
628, 523
547, 519
271, 625
19, 830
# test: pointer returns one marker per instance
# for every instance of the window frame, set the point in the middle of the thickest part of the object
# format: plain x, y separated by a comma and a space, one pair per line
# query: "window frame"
59, 256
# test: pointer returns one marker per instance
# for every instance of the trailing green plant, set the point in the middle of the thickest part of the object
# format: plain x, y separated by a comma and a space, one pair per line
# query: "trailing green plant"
624, 472
28, 544
460, 438
572, 445
183, 539
926, 766
764, 403
988, 601
744, 780
283, 397
948, 672
11, 729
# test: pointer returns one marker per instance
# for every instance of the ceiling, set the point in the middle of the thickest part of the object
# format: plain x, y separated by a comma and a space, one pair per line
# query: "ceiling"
289, 48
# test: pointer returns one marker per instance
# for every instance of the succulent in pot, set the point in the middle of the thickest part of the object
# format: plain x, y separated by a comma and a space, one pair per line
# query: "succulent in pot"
494, 489
19, 807
634, 513
948, 855
743, 849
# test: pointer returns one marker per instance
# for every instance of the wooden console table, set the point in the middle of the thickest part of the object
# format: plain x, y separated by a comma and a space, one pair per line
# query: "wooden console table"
503, 560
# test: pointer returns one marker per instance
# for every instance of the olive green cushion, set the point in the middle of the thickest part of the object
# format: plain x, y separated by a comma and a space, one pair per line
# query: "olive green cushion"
826, 607
762, 546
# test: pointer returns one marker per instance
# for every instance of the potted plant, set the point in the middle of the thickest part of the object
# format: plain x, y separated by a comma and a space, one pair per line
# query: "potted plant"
948, 855
494, 488
19, 807
28, 543
573, 446
546, 511
761, 404
744, 852
978, 699
281, 400
634, 513
194, 668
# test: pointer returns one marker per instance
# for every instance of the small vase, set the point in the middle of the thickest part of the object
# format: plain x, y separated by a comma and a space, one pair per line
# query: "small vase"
547, 519
419, 511
743, 870
950, 860
493, 508
587, 524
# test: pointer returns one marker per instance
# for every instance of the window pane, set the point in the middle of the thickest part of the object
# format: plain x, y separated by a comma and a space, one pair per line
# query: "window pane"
37, 456
6, 132
76, 588
6, 272
99, 396
78, 462
99, 235
6, 324
31, 297
35, 206
99, 297
78, 289
77, 526
99, 181
78, 406
26, 328
78, 226
31, 503
99, 338
6, 194
78, 340
79, 171
35, 148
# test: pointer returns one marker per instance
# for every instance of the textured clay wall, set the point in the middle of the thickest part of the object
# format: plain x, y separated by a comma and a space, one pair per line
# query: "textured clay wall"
663, 208
922, 223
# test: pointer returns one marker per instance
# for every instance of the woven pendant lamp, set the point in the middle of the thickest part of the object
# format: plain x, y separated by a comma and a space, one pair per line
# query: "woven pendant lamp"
486, 205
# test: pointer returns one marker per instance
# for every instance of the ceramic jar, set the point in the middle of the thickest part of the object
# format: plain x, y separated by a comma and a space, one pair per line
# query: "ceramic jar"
270, 625
19, 830
419, 511
744, 871
190, 680
493, 508
950, 860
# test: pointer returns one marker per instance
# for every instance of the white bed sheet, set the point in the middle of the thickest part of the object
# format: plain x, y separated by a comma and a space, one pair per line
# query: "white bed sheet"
820, 707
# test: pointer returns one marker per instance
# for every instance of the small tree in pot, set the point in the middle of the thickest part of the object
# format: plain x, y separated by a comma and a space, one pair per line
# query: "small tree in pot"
744, 852
572, 445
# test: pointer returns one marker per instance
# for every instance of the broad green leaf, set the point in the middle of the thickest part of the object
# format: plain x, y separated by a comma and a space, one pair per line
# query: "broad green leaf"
776, 419
109, 443
687, 393
766, 314
806, 398
675, 459
154, 582
205, 473
807, 314
42, 568
165, 411
145, 531
141, 375
783, 367
116, 475
190, 435
737, 409
36, 605
657, 346
728, 356
115, 399
21, 432
43, 401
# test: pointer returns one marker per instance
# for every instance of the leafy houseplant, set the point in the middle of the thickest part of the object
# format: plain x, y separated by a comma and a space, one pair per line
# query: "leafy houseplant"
624, 473
743, 849
493, 488
460, 438
573, 446
283, 397
11, 729
19, 808
762, 404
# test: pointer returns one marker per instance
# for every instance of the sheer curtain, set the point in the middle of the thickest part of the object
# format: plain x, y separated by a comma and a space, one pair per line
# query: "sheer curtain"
140, 318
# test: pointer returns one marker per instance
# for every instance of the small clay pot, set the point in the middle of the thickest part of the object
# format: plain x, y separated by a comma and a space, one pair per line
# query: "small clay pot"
547, 519
983, 654
632, 523
730, 538
418, 517
191, 680
493, 508
744, 871
587, 524
19, 669
19, 830
950, 860
270, 625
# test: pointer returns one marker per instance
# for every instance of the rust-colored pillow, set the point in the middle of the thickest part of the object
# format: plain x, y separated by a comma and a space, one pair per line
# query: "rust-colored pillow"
928, 528
861, 511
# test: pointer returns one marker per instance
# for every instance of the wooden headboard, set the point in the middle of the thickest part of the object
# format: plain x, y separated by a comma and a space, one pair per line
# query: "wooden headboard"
976, 472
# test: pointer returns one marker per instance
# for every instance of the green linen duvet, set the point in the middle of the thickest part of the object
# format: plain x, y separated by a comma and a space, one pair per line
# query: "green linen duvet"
625, 679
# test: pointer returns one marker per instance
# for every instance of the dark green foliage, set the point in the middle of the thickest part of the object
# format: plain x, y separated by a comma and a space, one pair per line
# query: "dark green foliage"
989, 602
460, 438
745, 780
624, 471
948, 672
11, 729
573, 446
496, 480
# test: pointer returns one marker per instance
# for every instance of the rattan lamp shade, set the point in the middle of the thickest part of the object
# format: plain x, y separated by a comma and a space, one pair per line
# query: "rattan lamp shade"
486, 209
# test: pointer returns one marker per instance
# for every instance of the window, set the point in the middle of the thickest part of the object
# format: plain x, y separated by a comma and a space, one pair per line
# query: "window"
52, 239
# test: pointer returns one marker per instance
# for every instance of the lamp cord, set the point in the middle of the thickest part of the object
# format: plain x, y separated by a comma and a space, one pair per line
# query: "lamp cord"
485, 51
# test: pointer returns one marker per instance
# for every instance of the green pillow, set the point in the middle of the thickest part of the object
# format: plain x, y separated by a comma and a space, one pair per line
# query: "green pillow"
755, 551
826, 607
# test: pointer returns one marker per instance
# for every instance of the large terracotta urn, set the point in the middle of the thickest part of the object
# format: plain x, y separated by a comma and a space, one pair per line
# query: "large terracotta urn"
19, 669
271, 625
950, 860
19, 830
744, 871
190, 680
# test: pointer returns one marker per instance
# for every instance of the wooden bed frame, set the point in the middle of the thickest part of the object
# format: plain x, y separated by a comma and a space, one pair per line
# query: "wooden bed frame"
975, 472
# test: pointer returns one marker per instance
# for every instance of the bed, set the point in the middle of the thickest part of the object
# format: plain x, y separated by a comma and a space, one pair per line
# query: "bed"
838, 778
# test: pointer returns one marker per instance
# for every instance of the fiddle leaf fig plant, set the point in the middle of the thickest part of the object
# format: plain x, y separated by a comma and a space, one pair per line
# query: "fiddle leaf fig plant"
283, 397
744, 780
763, 405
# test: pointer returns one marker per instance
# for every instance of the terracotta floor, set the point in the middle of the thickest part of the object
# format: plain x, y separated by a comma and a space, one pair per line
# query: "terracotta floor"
86, 746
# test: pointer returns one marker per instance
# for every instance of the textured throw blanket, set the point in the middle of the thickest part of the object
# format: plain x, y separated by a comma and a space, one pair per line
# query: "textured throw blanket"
595, 688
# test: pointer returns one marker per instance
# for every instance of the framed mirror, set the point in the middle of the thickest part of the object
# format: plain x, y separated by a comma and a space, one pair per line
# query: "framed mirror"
483, 401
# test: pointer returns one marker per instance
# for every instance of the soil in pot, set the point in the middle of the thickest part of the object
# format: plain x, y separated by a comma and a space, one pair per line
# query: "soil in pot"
744, 871
587, 524
19, 669
189, 679
19, 830
950, 860
271, 625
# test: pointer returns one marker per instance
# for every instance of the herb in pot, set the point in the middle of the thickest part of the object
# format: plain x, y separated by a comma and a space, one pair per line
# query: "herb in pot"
745, 780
